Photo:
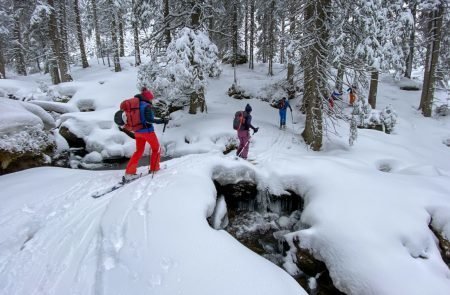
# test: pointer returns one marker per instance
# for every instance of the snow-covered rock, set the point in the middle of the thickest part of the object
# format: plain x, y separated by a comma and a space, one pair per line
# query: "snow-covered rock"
25, 137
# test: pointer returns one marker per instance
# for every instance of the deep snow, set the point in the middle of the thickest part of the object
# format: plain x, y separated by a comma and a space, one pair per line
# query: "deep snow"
370, 227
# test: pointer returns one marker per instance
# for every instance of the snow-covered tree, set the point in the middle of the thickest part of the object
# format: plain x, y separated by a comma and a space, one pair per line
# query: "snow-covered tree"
434, 13
113, 15
252, 33
412, 5
183, 71
444, 59
56, 34
314, 39
5, 28
19, 8
80, 34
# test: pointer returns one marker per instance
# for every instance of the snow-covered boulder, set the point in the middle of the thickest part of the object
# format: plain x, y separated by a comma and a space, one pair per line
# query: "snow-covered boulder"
237, 92
26, 136
57, 107
409, 84
96, 132
241, 57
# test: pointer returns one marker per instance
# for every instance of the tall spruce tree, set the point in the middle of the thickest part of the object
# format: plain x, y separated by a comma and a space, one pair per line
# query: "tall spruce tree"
5, 27
19, 54
434, 13
315, 36
84, 61
114, 40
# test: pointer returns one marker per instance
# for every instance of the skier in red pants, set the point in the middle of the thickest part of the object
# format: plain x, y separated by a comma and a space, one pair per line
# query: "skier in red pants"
146, 134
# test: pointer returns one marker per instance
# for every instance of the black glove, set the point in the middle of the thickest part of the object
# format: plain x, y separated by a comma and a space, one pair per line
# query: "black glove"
166, 120
255, 129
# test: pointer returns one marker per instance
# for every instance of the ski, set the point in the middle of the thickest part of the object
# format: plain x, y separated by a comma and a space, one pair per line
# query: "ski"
124, 182
118, 185
251, 161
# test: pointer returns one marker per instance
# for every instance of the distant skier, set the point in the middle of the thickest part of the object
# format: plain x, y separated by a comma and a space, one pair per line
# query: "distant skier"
140, 119
352, 94
243, 127
283, 104
335, 95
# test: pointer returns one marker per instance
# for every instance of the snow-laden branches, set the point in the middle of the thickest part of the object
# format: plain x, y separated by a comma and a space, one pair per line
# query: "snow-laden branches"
188, 61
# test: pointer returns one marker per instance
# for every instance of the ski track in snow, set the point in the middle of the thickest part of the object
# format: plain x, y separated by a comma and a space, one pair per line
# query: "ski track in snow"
66, 226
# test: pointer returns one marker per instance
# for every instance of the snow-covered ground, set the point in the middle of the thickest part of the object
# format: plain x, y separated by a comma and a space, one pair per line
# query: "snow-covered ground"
152, 237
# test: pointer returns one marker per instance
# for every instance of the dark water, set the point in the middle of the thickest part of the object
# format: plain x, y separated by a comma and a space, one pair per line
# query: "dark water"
119, 164
76, 154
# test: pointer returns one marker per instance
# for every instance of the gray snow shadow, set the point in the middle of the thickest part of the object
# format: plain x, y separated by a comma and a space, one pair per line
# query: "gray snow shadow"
86, 105
385, 165
446, 141
395, 166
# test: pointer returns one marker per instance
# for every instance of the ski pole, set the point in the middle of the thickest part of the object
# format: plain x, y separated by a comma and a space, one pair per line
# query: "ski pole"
160, 149
245, 145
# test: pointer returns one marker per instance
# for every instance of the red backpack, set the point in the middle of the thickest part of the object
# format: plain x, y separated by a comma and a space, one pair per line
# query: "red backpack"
238, 120
133, 114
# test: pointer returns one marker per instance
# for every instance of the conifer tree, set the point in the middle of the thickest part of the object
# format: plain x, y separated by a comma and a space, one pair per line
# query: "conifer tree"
434, 13
5, 21
19, 54
114, 40
84, 61
315, 35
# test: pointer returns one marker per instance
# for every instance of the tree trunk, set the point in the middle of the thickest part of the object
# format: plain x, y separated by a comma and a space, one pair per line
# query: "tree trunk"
252, 34
46, 66
264, 39
291, 67
167, 24
315, 80
373, 89
412, 41
18, 46
435, 19
193, 103
54, 72
282, 45
115, 48
137, 51
195, 15
55, 45
2, 62
80, 35
271, 37
246, 28
121, 35
57, 50
340, 78
98, 43
235, 37
135, 24
197, 97
38, 64
62, 19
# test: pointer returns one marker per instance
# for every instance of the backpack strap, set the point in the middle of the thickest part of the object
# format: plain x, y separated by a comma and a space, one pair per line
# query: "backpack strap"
142, 106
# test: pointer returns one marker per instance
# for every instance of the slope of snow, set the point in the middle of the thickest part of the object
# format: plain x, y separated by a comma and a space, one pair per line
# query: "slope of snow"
369, 227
